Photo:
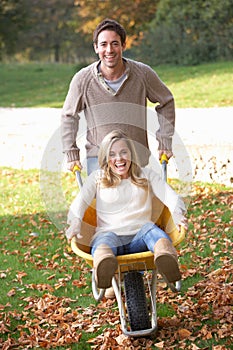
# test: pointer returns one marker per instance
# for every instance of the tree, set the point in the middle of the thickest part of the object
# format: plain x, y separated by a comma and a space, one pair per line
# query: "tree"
190, 32
12, 21
49, 22
158, 31
134, 15
68, 26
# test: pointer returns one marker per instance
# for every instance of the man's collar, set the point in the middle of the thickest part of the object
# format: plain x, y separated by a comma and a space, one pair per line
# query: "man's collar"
97, 67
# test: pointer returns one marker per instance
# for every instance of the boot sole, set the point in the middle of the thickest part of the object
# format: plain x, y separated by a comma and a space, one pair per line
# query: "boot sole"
105, 271
168, 266
109, 293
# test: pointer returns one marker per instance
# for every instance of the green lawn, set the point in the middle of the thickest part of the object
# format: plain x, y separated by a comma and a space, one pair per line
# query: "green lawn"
45, 85
203, 86
46, 299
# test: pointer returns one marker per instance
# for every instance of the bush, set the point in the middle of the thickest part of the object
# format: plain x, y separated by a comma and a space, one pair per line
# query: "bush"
189, 33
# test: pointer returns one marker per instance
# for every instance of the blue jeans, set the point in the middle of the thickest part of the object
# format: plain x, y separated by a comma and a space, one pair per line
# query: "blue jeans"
92, 164
143, 241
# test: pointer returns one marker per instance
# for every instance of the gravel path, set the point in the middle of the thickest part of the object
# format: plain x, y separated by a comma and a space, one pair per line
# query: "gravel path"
30, 138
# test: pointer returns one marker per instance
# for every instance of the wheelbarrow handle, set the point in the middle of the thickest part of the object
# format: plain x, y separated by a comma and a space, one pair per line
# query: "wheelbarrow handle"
77, 172
164, 162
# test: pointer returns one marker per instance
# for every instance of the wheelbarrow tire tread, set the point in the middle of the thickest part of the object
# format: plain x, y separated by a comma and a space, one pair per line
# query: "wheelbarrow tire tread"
136, 301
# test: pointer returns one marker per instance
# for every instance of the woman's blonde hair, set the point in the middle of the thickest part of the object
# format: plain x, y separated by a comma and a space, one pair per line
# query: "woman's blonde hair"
109, 178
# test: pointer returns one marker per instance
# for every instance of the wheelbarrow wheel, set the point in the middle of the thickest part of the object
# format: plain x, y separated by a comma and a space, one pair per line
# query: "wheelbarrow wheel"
136, 302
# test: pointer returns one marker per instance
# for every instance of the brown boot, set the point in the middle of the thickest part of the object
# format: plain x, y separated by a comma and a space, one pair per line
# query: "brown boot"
105, 265
166, 260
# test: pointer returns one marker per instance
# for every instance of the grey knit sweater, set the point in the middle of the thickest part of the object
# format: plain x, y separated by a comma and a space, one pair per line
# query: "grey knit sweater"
106, 110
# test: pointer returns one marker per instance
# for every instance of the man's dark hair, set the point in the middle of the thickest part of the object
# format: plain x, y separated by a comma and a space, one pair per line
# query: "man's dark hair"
109, 24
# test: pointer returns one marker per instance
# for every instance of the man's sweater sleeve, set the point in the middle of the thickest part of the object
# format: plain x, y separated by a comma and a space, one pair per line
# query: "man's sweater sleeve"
159, 94
70, 118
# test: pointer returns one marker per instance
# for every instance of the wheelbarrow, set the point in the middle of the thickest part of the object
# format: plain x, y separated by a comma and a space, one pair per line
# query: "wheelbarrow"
135, 280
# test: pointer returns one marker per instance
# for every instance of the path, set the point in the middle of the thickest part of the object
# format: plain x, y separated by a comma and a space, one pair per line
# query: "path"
204, 135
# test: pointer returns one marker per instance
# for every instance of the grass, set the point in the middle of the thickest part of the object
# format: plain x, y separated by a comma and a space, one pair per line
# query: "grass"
34, 268
46, 85
45, 259
34, 84
203, 86
37, 263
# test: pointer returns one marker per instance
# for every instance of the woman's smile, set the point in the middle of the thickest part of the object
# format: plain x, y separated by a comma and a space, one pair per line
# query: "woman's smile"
120, 158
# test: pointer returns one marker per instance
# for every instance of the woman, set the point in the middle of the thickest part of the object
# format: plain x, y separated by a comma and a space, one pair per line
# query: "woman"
124, 194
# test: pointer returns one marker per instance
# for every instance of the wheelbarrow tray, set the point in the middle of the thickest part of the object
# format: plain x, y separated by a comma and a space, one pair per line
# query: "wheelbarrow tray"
131, 262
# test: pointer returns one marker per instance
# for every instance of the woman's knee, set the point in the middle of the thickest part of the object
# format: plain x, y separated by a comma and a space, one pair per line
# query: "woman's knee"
152, 236
108, 238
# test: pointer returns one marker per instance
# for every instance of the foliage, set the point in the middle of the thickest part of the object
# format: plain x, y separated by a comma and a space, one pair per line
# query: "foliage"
141, 13
44, 31
46, 300
46, 85
189, 32
180, 32
56, 32
50, 32
12, 20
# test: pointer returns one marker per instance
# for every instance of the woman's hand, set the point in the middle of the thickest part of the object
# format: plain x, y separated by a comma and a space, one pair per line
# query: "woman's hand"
74, 229
183, 223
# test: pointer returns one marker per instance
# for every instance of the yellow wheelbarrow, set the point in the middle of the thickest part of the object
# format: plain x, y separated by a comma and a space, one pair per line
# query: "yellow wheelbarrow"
137, 304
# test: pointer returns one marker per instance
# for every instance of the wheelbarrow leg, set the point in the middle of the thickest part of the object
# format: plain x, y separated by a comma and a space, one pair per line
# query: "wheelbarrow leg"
153, 300
97, 293
121, 306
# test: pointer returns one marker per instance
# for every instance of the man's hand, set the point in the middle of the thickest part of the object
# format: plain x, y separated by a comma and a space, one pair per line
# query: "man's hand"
183, 223
74, 229
71, 165
169, 154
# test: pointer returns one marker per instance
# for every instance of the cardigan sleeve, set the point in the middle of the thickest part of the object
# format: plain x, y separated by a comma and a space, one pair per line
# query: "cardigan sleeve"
167, 196
84, 198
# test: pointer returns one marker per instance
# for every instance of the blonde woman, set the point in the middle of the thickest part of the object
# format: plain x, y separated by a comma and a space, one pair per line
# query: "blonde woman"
124, 192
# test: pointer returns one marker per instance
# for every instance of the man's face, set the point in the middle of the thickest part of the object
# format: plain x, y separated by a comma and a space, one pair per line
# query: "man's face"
109, 48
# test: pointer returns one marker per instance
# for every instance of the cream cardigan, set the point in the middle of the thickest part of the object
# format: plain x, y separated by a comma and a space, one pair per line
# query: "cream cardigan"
126, 208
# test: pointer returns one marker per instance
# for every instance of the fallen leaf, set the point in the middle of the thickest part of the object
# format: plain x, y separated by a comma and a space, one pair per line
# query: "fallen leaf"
184, 333
11, 293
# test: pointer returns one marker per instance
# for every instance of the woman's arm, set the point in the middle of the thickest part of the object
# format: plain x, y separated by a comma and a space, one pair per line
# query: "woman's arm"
80, 204
167, 196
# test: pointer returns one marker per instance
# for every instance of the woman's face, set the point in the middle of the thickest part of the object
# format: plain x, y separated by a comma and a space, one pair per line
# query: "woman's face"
120, 158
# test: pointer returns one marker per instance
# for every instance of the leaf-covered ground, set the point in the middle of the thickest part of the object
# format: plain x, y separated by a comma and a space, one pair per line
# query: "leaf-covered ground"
46, 300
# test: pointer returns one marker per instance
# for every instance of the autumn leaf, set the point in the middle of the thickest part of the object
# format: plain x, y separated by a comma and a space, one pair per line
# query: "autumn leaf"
20, 275
55, 308
184, 333
11, 293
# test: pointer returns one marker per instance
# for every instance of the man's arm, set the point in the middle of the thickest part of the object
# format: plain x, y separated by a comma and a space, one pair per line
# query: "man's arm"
69, 133
159, 94
70, 123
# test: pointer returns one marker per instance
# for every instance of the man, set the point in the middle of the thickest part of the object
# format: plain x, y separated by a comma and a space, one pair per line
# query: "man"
113, 93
